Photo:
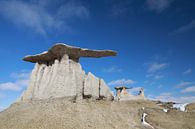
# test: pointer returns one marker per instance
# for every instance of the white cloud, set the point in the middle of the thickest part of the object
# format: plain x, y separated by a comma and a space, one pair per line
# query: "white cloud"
71, 9
150, 82
120, 8
183, 84
38, 17
22, 74
157, 77
21, 82
14, 86
113, 69
9, 86
134, 90
185, 99
185, 28
149, 75
166, 94
121, 82
158, 5
2, 108
188, 89
155, 67
168, 97
188, 71
160, 86
2, 95
154, 77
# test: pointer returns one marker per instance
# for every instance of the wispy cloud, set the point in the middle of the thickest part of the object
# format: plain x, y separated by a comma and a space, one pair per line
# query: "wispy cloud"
21, 74
155, 67
120, 7
121, 82
154, 77
166, 94
185, 28
188, 71
14, 86
21, 82
183, 84
158, 5
157, 77
2, 95
2, 108
150, 82
113, 69
134, 90
35, 16
168, 97
188, 89
160, 86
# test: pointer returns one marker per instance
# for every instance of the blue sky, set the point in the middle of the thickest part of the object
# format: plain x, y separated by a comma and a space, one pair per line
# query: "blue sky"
155, 40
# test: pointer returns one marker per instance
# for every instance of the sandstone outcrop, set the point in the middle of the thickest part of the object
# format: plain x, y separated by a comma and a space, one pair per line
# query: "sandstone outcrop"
123, 95
57, 73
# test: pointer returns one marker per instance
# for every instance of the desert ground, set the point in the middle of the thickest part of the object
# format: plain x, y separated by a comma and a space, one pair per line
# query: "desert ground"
67, 114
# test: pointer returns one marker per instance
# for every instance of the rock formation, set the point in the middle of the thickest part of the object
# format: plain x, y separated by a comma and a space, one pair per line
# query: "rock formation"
74, 53
58, 73
123, 95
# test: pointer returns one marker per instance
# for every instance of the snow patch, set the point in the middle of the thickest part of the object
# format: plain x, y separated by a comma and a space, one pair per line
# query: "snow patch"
180, 106
144, 122
165, 110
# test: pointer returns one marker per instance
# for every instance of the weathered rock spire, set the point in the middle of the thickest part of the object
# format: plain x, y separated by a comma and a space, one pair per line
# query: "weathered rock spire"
57, 73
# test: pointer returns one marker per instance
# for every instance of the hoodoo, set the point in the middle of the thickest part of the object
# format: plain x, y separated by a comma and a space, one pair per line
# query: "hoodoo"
58, 73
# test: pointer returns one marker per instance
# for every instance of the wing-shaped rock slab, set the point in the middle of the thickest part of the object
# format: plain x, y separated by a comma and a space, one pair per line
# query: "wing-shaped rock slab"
60, 49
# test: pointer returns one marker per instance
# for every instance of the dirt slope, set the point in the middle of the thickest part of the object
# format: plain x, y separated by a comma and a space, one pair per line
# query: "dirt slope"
66, 114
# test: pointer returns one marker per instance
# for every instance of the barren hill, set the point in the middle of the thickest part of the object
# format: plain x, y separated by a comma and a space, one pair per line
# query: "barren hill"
66, 114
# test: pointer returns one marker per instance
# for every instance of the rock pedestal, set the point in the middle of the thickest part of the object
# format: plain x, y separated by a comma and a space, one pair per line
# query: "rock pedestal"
58, 73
